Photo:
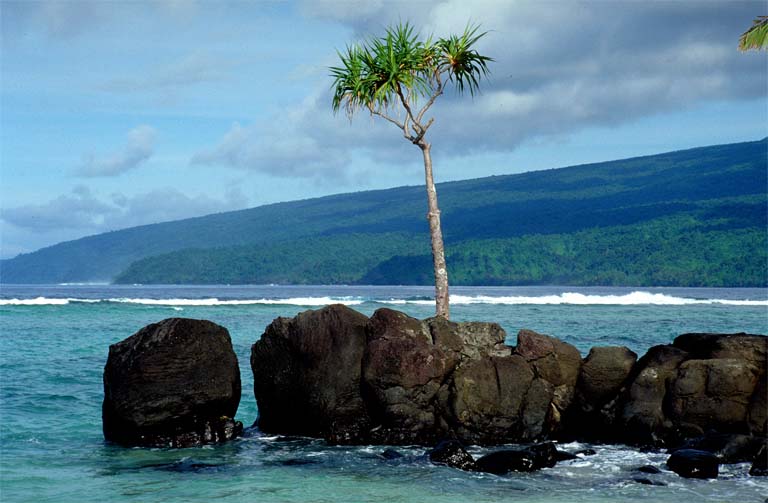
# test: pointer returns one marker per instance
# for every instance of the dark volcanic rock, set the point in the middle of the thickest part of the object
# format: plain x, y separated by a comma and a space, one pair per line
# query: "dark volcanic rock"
700, 383
757, 413
692, 463
604, 372
554, 360
175, 383
603, 375
306, 373
750, 347
728, 447
713, 394
394, 379
647, 481
391, 454
489, 397
648, 469
725, 385
403, 369
453, 454
642, 418
760, 464
529, 459
566, 456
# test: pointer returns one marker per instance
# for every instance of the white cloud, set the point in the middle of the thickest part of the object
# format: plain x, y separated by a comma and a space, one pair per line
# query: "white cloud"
308, 141
560, 67
139, 147
82, 212
77, 210
192, 69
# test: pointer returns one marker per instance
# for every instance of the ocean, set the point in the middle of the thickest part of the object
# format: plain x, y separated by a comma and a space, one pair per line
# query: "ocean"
54, 342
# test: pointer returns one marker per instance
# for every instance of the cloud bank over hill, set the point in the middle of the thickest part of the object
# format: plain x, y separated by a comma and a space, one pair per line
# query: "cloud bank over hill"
210, 95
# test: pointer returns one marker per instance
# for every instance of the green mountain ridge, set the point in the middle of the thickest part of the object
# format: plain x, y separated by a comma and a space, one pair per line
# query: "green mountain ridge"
688, 218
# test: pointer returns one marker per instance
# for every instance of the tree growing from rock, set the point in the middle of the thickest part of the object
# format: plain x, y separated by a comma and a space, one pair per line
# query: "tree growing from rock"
398, 77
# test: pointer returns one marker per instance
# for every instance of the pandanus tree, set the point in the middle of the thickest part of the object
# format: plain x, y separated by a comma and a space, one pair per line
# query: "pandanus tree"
398, 77
757, 36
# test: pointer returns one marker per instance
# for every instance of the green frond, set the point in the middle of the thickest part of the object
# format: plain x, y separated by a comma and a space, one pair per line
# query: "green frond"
374, 73
462, 63
757, 36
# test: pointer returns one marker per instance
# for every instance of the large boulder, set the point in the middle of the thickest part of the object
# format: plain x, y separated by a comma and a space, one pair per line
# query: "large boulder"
603, 377
307, 375
642, 416
555, 362
713, 394
175, 383
498, 399
741, 348
700, 383
404, 366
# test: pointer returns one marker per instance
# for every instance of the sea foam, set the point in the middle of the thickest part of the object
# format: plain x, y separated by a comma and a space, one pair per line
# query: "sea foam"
573, 298
567, 298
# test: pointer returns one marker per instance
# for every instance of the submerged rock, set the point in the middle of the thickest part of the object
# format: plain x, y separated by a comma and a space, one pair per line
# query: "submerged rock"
760, 464
391, 454
529, 459
692, 463
452, 453
728, 447
647, 481
175, 383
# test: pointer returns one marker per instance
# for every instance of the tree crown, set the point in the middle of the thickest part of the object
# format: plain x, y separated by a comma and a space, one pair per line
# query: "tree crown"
398, 69
757, 36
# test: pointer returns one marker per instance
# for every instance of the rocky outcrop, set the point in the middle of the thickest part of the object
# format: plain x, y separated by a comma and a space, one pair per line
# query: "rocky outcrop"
393, 379
402, 381
175, 383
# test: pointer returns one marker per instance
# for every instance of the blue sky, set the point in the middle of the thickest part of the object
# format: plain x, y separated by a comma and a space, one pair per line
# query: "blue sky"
116, 114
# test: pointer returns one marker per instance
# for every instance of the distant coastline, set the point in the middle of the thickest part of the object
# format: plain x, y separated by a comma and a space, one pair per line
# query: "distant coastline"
692, 218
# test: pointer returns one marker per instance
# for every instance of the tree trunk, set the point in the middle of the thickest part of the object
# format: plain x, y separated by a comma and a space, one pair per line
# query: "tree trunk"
436, 234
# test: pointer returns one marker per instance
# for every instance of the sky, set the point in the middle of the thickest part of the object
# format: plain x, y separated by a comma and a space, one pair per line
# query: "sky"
122, 113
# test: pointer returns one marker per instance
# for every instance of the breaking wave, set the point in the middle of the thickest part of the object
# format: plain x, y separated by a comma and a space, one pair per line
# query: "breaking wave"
567, 298
299, 301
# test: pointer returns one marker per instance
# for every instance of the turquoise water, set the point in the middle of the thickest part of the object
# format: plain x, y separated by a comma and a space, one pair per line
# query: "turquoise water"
54, 342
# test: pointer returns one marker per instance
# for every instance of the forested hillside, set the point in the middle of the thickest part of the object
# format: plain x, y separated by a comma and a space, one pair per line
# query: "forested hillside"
693, 217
